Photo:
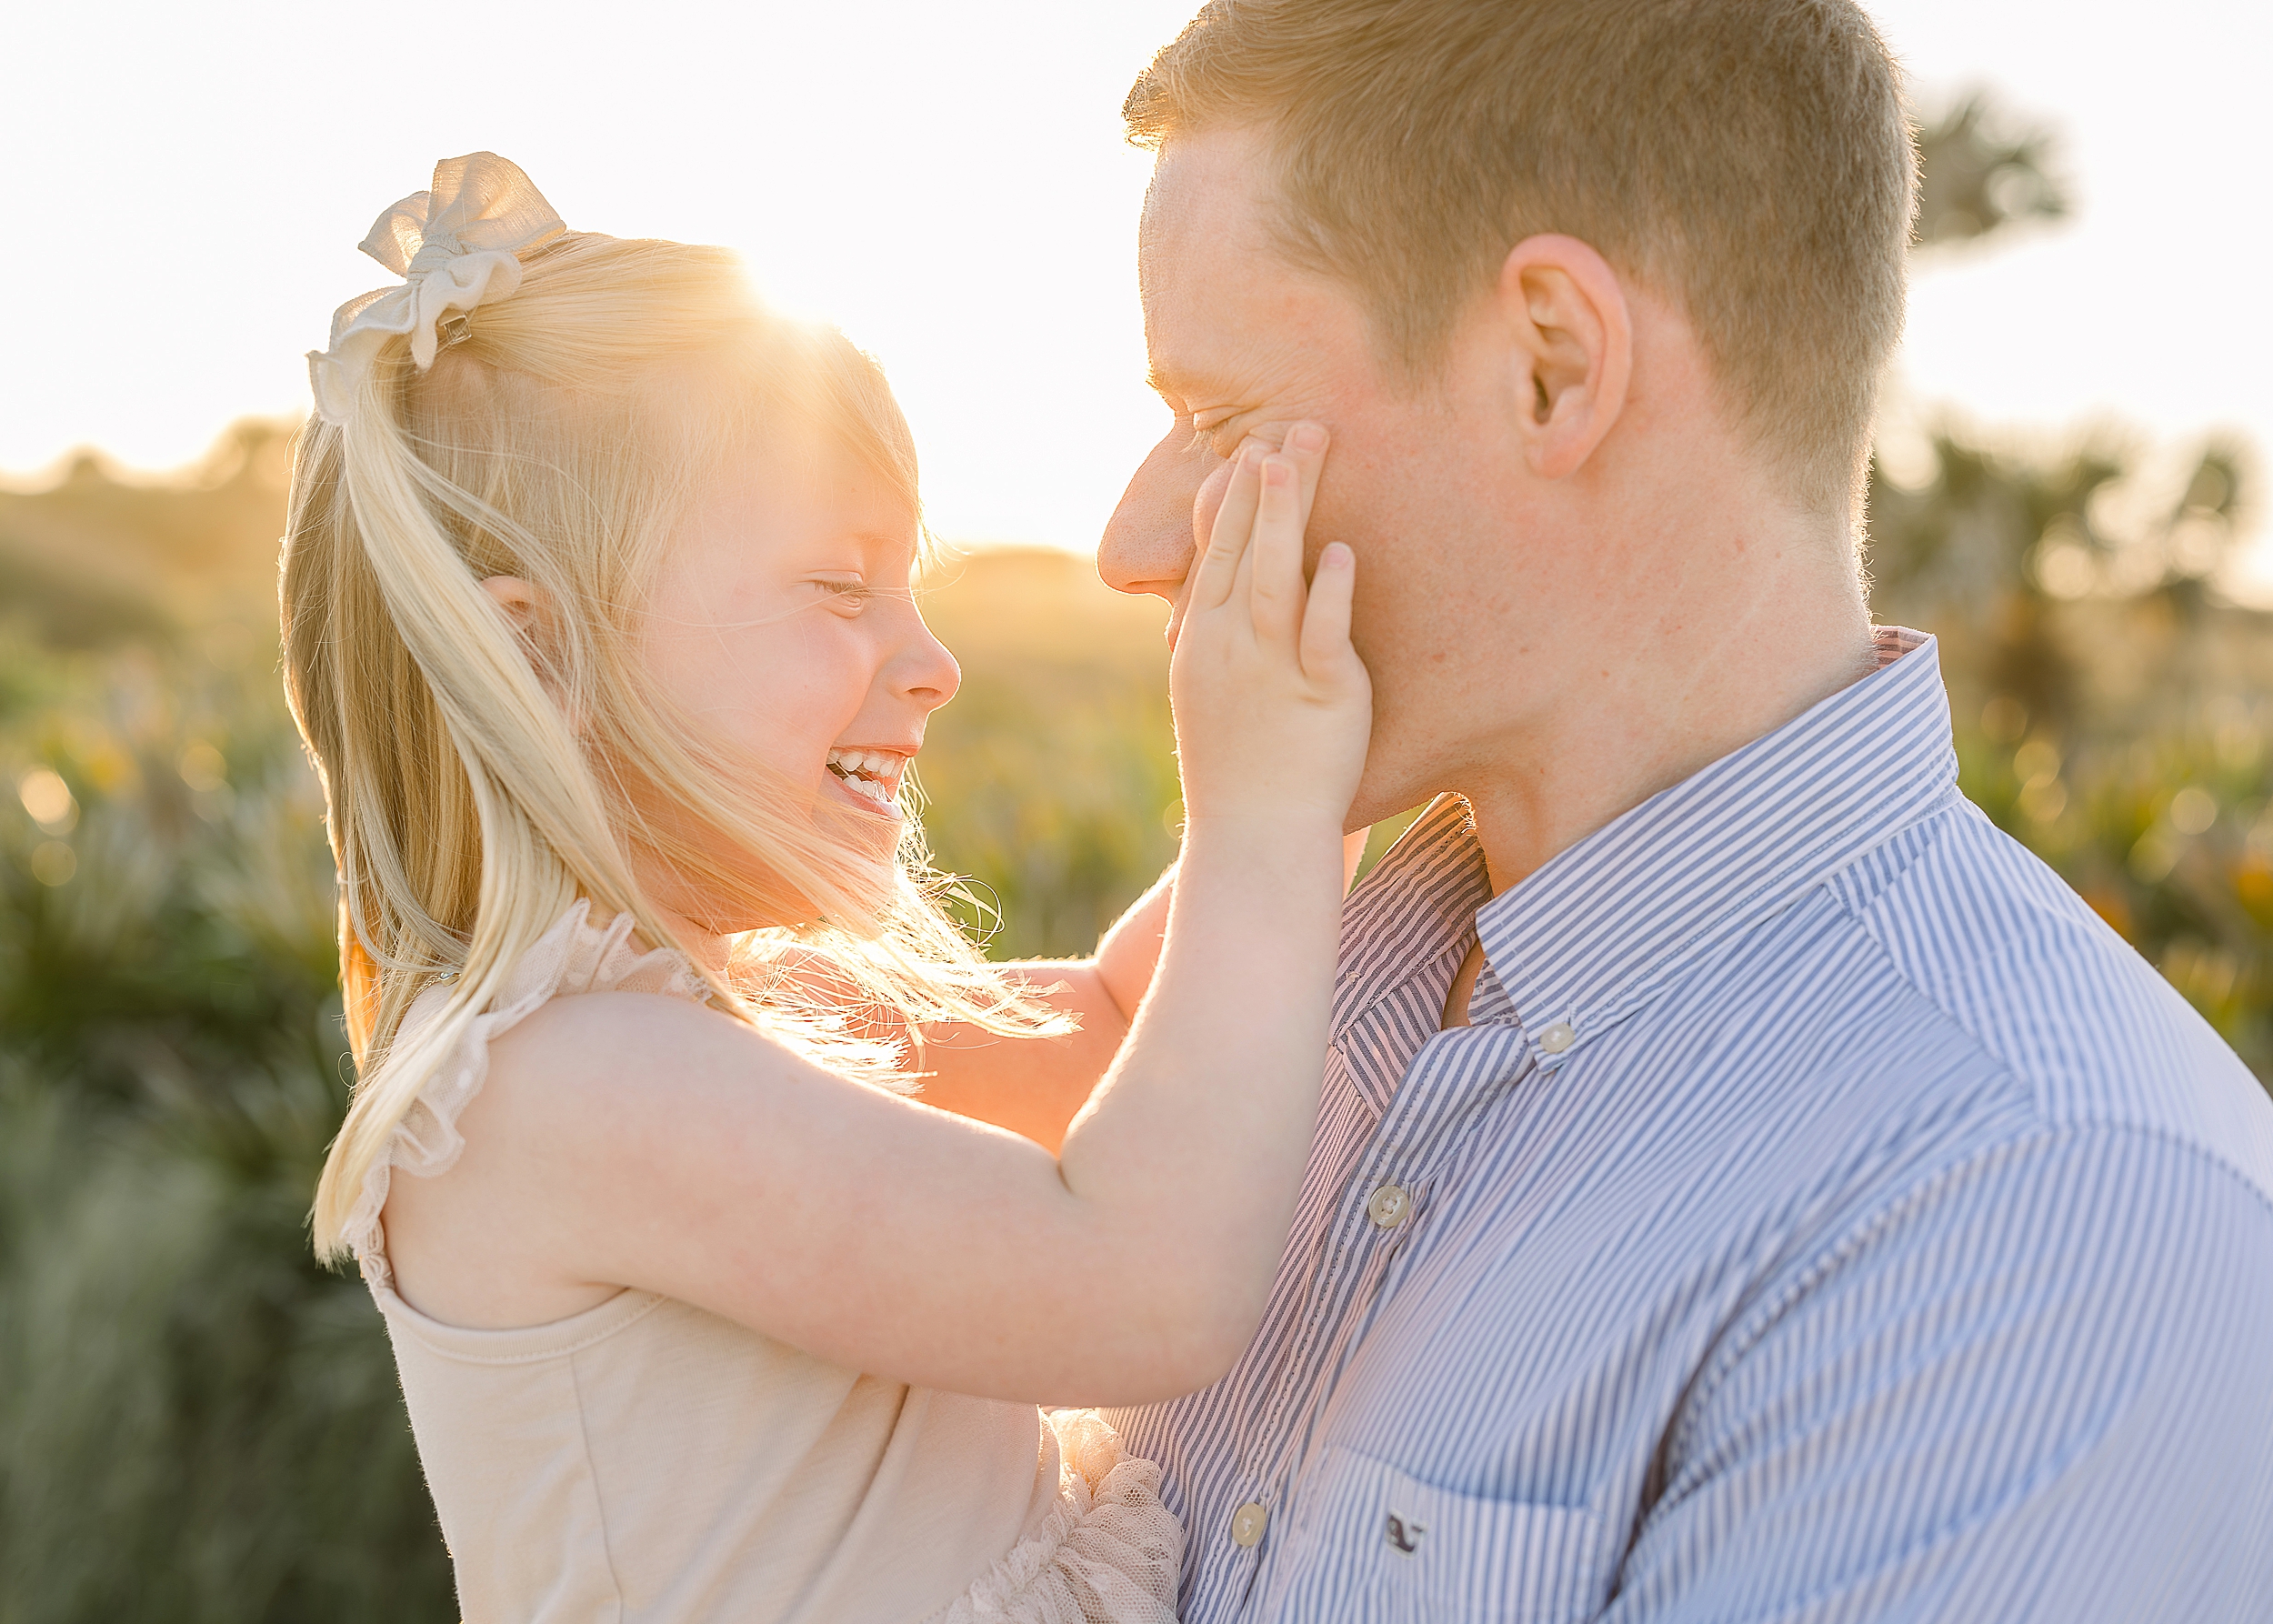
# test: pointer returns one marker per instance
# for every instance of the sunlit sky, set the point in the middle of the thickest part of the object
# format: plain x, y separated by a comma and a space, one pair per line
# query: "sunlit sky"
184, 187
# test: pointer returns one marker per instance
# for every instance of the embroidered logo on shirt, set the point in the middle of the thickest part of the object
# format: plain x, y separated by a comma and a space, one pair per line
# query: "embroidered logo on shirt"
1405, 1536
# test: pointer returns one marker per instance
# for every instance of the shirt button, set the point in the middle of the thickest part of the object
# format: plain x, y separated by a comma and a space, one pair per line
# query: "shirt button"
1558, 1037
1388, 1205
1246, 1523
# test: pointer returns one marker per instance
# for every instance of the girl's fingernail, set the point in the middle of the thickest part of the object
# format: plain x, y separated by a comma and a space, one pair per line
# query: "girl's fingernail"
1335, 555
1308, 438
1276, 471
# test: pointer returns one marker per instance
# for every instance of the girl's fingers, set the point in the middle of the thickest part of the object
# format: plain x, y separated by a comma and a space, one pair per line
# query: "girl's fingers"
1218, 569
1240, 605
1275, 591
1326, 619
1305, 443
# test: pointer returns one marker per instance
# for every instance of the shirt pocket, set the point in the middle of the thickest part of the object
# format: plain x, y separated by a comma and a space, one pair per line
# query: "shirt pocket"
1373, 1545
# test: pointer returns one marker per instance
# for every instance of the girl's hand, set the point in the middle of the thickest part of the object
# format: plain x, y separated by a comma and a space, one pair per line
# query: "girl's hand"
1272, 704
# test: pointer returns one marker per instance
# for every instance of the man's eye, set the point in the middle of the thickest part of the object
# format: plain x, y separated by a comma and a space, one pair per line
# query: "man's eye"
1210, 433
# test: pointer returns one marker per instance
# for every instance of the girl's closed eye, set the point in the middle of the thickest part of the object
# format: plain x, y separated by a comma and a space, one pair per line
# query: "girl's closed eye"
846, 596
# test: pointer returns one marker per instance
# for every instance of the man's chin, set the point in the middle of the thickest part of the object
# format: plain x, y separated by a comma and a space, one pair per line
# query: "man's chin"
1382, 798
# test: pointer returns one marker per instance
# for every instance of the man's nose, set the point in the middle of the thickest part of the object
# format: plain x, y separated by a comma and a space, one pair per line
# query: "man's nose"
1147, 542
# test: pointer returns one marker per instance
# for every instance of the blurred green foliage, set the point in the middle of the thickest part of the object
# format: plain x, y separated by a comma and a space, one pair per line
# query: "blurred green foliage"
1050, 781
197, 1424
2112, 711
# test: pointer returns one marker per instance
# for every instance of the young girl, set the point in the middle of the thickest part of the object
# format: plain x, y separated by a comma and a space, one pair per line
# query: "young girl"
597, 623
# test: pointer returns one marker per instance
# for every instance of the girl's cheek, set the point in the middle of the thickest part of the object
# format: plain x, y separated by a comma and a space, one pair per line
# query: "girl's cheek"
827, 668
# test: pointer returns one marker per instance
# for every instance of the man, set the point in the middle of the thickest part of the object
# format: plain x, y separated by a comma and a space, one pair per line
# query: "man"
1747, 1185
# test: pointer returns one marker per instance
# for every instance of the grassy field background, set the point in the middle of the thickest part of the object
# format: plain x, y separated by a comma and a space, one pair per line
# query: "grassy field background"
196, 1423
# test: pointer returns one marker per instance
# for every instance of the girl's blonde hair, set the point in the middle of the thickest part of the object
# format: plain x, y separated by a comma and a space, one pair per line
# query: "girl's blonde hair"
478, 783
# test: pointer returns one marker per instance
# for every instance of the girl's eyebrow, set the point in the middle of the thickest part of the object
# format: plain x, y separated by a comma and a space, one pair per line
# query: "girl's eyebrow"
875, 544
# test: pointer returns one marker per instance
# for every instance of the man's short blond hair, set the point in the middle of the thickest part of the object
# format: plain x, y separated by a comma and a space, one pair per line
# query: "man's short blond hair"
1751, 160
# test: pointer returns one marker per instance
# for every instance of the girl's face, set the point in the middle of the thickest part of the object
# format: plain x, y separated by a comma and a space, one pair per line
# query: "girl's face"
782, 618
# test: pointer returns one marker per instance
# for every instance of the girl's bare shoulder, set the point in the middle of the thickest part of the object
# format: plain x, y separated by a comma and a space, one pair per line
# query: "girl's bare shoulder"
581, 1098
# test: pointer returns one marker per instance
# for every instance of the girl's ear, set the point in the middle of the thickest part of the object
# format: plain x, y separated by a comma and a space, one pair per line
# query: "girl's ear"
529, 611
517, 597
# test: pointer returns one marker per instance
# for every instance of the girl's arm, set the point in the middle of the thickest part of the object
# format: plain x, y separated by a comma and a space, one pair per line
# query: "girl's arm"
1033, 1085
633, 1140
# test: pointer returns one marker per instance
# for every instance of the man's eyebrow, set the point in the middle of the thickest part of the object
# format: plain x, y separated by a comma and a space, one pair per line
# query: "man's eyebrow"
1168, 386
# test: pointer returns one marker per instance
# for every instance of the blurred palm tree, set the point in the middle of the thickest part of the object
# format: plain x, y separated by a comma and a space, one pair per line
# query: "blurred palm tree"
1979, 172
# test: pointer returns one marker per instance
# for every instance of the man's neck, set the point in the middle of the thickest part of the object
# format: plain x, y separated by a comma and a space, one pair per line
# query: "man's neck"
1709, 677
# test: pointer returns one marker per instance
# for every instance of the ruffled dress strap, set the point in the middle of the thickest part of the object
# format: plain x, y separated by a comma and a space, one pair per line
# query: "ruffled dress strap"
573, 955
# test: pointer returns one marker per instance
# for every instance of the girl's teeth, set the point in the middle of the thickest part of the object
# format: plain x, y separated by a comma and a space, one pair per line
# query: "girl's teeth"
870, 772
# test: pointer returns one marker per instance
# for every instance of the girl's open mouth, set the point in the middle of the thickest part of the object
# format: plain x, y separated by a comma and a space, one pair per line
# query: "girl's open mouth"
872, 776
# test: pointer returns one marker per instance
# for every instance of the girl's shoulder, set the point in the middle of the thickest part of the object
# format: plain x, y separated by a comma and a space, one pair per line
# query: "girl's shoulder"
573, 956
517, 1059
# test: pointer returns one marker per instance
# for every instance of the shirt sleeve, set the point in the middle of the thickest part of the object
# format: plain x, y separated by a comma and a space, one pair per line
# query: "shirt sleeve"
2039, 1387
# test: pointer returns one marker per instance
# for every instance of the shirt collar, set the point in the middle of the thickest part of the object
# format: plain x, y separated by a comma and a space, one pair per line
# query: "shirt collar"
1587, 939
1414, 916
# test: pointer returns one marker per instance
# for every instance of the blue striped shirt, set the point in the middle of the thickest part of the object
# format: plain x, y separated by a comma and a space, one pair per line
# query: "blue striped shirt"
1825, 1217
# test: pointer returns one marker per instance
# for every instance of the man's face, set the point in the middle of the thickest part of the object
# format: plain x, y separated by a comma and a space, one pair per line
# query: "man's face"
1416, 480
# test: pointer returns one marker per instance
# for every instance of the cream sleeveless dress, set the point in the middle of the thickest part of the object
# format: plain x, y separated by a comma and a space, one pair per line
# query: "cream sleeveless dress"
644, 1462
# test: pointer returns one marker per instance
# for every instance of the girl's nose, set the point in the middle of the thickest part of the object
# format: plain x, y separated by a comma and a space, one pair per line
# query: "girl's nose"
924, 669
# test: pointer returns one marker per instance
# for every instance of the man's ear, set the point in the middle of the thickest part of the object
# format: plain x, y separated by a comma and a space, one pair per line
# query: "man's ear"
1572, 353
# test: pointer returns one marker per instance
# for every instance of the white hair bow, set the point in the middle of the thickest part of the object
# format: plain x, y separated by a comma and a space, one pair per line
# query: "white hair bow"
458, 244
